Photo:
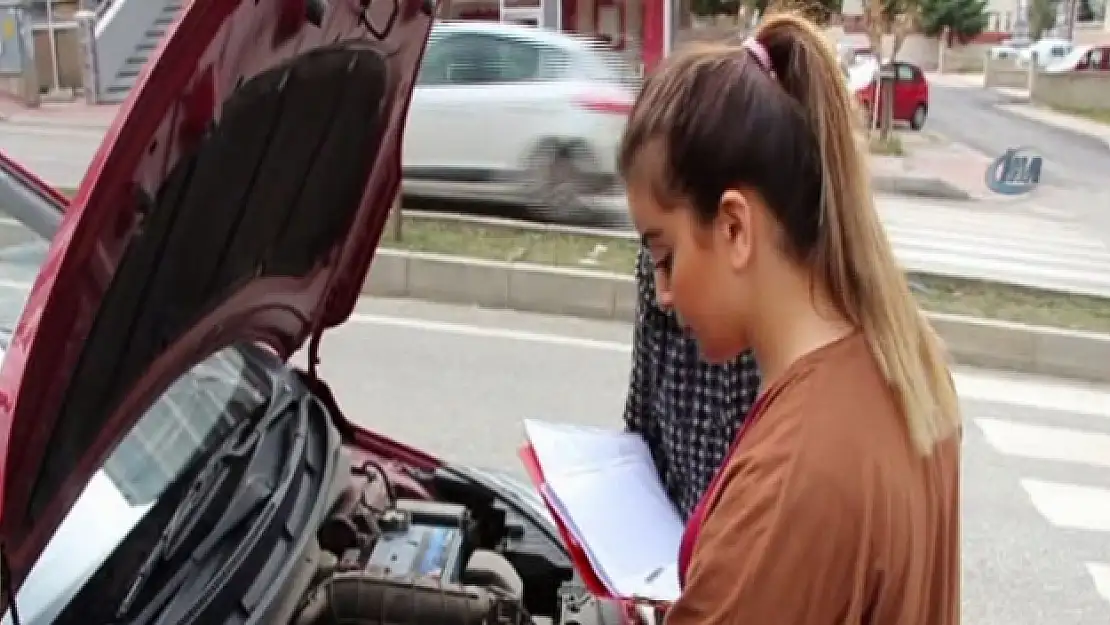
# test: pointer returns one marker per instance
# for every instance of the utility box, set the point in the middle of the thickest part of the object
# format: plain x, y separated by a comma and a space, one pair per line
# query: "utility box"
18, 76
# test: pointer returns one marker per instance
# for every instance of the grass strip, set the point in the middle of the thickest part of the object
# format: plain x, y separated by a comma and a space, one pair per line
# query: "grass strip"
890, 146
940, 294
1100, 115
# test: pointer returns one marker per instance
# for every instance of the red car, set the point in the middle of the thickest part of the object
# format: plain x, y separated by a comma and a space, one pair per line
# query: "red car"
162, 461
911, 91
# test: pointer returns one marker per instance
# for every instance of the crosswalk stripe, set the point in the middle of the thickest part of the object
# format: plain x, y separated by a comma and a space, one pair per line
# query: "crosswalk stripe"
1030, 230
1070, 506
990, 250
1032, 392
975, 220
993, 247
1046, 442
1014, 271
1101, 574
1013, 265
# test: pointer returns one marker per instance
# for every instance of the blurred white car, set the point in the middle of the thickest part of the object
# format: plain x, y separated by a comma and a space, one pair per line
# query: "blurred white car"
515, 112
1049, 51
1010, 48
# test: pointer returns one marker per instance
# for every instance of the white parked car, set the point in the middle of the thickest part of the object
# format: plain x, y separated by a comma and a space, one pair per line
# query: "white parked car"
1010, 48
1087, 58
1049, 51
518, 113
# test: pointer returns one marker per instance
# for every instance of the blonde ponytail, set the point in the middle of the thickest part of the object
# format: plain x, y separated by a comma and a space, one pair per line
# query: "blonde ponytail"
852, 253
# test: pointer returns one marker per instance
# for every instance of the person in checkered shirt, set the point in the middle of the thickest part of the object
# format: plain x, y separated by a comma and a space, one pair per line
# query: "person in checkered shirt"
687, 410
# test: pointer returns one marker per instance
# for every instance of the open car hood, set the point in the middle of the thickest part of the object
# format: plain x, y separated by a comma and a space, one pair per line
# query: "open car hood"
239, 196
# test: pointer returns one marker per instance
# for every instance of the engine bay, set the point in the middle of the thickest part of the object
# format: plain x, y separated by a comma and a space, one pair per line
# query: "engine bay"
446, 549
294, 515
389, 558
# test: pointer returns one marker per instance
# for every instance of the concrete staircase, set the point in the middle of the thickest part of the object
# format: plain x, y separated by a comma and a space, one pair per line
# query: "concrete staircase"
126, 35
119, 86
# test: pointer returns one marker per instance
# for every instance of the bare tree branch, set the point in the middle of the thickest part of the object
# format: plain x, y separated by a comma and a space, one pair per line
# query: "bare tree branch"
904, 25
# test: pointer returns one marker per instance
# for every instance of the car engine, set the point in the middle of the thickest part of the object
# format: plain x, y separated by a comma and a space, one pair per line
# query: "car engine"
414, 561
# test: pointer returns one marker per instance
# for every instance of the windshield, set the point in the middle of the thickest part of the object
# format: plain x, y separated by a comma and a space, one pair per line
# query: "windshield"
198, 411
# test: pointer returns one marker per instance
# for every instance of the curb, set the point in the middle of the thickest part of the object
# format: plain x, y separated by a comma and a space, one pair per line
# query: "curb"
932, 188
603, 295
20, 121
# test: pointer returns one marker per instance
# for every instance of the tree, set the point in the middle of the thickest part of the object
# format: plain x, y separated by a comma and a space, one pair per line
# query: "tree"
895, 17
964, 19
1042, 17
899, 18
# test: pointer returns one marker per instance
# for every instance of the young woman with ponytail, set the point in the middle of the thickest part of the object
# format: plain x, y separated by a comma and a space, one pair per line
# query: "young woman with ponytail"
839, 501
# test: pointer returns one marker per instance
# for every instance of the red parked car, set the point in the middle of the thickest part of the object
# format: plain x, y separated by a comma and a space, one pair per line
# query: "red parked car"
911, 91
161, 461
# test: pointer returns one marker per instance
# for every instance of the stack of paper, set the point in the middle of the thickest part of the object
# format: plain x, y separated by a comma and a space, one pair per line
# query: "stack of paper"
603, 488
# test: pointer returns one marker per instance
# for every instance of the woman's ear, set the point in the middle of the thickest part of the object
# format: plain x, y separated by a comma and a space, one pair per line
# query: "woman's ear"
735, 227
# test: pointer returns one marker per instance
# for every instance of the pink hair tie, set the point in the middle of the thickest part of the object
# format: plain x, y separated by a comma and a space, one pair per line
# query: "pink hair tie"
759, 53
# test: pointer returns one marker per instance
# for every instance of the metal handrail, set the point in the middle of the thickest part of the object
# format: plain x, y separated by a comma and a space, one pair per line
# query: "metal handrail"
102, 7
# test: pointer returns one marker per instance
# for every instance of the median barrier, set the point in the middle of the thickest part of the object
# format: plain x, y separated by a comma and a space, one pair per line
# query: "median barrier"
604, 295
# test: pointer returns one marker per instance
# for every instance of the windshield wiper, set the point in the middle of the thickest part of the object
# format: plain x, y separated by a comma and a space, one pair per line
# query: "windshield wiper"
211, 482
222, 473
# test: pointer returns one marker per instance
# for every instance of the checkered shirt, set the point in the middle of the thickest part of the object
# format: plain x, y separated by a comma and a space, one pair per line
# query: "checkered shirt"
687, 410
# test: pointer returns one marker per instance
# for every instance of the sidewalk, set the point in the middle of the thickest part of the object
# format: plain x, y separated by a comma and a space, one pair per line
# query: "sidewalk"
935, 161
59, 114
1060, 120
955, 80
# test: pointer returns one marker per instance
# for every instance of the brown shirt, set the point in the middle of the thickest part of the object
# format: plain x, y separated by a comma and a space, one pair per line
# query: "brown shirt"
826, 514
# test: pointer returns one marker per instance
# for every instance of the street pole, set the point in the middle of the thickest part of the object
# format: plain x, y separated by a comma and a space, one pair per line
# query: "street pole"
90, 75
395, 216
1073, 13
53, 45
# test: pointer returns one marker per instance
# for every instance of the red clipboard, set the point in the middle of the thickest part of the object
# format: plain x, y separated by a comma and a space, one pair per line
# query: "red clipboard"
577, 555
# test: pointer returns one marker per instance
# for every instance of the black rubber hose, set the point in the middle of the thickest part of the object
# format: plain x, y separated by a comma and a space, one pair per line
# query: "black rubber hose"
362, 598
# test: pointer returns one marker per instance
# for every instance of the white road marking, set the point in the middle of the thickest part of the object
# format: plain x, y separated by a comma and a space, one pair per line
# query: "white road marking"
1101, 574
487, 332
1046, 442
1071, 506
1033, 392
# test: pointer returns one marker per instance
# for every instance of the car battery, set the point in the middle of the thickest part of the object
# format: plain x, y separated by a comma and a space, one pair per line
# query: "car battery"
423, 539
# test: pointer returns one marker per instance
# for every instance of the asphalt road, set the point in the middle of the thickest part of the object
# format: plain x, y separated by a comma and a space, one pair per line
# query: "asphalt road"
458, 381
970, 115
1076, 165
57, 154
